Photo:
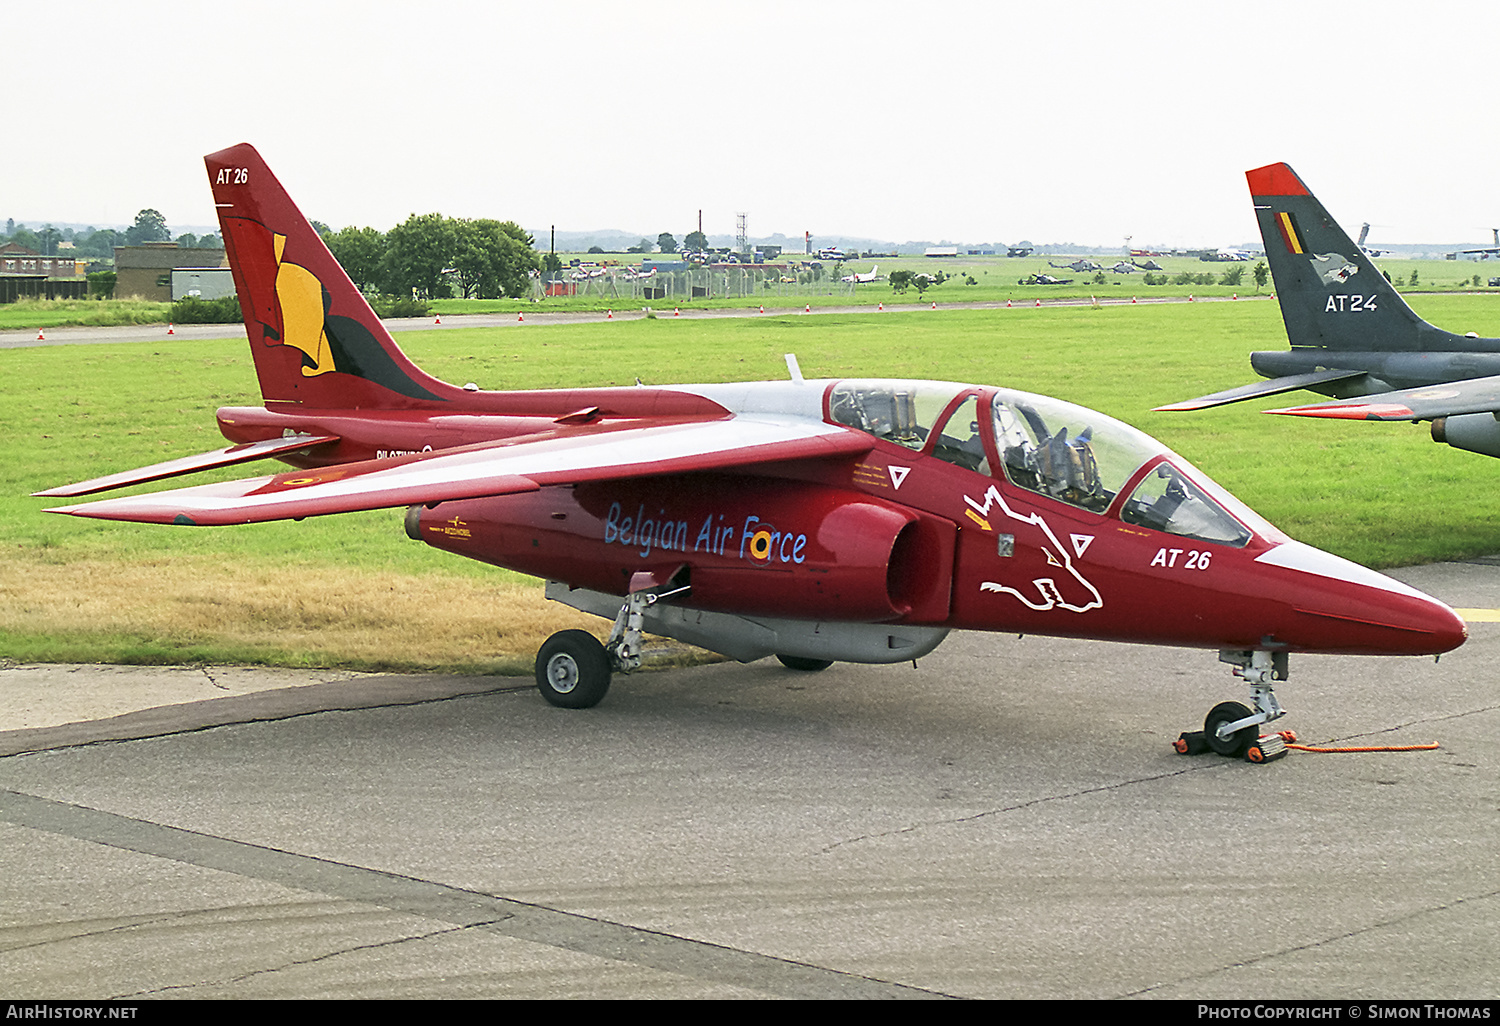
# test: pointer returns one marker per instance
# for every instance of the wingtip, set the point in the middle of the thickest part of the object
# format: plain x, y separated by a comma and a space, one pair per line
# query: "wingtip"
1353, 411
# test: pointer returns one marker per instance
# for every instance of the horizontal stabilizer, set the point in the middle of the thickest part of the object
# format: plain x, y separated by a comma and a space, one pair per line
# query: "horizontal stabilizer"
488, 469
1260, 389
1450, 399
229, 457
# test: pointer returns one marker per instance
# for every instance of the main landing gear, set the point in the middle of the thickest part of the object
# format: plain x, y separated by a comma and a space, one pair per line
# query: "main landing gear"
1231, 728
573, 669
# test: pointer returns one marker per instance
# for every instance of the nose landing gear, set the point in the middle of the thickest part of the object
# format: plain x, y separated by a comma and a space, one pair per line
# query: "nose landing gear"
1230, 728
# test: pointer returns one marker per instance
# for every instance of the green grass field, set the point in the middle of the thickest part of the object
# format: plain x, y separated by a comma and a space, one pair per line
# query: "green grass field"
352, 590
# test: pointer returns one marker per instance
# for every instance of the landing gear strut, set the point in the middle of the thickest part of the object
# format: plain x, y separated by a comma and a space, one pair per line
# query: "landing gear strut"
1231, 728
573, 669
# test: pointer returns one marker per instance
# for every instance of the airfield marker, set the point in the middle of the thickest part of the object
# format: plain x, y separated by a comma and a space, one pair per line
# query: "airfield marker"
39, 336
609, 315
520, 317
1190, 298
169, 329
1038, 302
934, 305
1007, 304
1235, 296
438, 319
762, 309
1132, 299
808, 309
880, 307
676, 312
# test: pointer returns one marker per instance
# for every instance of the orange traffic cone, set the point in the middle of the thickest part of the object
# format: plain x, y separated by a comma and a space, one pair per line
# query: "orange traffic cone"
1132, 299
1007, 304
39, 336
169, 329
676, 312
1190, 299
520, 317
809, 308
609, 315
880, 307
1235, 296
1038, 302
934, 306
762, 309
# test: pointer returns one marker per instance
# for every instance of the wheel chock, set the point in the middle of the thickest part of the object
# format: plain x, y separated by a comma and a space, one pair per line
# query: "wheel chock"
1190, 743
1267, 748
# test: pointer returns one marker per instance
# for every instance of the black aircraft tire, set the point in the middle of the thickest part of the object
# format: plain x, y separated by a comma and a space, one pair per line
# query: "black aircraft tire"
1238, 743
572, 670
804, 664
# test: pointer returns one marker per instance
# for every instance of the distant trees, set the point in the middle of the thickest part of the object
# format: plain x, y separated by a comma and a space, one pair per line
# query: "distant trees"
696, 241
666, 243
150, 226
1260, 273
428, 253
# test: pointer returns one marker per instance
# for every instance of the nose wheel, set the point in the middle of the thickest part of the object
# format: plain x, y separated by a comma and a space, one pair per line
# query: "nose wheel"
1232, 729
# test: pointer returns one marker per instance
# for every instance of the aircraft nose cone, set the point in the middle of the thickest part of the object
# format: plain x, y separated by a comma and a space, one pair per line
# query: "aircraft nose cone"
1341, 606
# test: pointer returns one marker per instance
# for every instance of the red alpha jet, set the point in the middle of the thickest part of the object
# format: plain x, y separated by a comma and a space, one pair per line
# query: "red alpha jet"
856, 520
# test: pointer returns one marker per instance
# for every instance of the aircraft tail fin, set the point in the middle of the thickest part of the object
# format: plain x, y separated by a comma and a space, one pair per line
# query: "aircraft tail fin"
1331, 295
314, 337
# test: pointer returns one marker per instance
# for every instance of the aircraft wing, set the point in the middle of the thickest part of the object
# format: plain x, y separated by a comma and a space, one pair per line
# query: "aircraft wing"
489, 469
1428, 402
1271, 386
228, 457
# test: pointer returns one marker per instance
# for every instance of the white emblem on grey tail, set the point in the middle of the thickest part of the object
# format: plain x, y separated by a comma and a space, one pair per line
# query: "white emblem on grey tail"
1333, 268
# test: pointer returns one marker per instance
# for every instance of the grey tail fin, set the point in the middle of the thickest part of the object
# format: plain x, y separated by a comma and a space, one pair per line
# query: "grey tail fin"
1331, 295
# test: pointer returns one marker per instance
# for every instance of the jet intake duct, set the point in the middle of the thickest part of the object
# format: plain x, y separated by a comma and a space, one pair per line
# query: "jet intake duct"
751, 546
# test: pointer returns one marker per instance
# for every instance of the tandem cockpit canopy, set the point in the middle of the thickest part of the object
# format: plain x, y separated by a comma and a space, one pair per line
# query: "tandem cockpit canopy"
1044, 445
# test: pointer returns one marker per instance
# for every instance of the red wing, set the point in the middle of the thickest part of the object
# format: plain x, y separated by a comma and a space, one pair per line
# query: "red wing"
234, 454
496, 470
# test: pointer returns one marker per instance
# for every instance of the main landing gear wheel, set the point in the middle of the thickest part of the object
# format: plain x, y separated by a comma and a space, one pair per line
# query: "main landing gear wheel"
572, 670
804, 664
1236, 744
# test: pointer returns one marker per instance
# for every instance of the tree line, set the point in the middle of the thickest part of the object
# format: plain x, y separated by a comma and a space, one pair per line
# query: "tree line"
429, 255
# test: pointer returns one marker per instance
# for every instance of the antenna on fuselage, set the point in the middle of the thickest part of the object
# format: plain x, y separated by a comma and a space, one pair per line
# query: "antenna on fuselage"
792, 368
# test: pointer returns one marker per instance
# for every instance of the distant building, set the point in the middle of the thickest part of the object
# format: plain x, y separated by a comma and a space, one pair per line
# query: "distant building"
1019, 251
17, 259
145, 272
942, 251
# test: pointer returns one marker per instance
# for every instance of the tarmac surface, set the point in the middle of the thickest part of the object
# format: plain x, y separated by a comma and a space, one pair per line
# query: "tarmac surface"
1007, 819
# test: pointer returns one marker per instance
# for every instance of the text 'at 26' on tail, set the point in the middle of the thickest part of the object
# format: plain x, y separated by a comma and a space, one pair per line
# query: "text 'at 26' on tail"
853, 520
1352, 335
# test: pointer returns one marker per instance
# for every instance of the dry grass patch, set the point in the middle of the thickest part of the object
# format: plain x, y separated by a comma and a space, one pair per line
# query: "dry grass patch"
197, 608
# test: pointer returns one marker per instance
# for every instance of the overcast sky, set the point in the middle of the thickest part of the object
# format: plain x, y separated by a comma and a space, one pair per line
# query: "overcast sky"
970, 122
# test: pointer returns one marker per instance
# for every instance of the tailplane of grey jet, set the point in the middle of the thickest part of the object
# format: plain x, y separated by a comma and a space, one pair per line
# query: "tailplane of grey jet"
1352, 335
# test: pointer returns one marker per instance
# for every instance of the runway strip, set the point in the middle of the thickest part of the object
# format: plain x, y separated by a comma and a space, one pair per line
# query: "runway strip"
466, 909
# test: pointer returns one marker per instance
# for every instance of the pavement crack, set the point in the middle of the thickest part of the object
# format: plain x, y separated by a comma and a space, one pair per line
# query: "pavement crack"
1313, 945
300, 962
953, 820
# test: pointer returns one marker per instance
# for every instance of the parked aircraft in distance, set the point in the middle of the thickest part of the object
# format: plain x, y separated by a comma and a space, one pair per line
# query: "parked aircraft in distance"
1353, 336
830, 253
852, 519
1124, 267
862, 279
1376, 254
1043, 279
1149, 265
1483, 253
1079, 266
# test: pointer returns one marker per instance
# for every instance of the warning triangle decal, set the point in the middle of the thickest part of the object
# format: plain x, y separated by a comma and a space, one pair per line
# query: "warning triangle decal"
1081, 543
898, 474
